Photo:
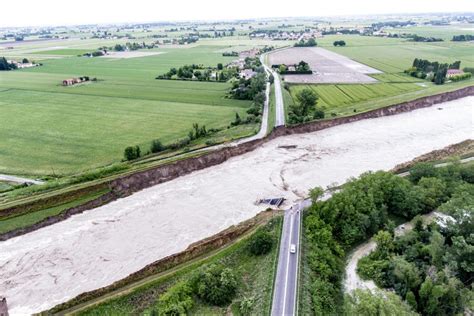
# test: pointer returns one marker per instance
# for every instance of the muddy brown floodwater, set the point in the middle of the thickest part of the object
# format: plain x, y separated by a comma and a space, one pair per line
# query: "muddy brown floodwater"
95, 248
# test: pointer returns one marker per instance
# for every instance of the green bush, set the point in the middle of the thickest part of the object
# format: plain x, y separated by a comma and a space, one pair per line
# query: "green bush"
215, 285
131, 153
420, 170
260, 243
177, 300
156, 146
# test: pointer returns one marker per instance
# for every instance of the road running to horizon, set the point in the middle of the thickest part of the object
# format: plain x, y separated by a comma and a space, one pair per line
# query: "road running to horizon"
279, 106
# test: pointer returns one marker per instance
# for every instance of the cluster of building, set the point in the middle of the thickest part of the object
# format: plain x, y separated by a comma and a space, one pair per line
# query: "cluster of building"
240, 64
21, 65
286, 35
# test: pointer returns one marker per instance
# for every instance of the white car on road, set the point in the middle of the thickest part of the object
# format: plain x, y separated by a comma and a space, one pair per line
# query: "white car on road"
293, 248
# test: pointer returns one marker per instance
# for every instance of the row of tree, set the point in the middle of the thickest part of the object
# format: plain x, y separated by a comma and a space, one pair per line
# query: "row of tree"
359, 210
417, 38
156, 146
433, 71
200, 73
463, 38
309, 43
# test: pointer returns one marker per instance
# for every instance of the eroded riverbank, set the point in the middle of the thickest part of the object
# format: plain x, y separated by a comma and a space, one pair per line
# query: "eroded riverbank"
93, 249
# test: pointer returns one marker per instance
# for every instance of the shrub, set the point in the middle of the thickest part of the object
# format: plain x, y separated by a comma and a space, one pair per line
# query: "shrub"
420, 170
177, 300
260, 243
132, 153
156, 146
467, 173
215, 285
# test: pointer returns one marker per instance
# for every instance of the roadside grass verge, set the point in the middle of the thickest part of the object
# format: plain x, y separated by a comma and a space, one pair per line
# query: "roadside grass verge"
255, 274
271, 110
304, 281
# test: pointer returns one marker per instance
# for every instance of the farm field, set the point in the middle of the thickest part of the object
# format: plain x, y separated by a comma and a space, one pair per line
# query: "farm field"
55, 130
332, 96
392, 56
327, 66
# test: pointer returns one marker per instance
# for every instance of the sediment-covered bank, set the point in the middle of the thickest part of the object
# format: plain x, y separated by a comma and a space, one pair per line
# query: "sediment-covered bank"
103, 245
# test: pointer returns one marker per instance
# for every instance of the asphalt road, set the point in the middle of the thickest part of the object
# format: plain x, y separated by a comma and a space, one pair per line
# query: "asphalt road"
280, 110
286, 279
279, 107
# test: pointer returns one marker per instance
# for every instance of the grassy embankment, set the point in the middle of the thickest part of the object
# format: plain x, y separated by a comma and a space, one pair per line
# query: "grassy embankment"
254, 273
11, 223
271, 110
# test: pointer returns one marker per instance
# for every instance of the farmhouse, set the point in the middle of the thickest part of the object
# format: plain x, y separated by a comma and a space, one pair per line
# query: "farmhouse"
20, 65
247, 74
454, 72
73, 81
252, 53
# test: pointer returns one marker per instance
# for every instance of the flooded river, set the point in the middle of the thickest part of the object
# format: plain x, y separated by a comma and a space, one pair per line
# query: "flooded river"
100, 246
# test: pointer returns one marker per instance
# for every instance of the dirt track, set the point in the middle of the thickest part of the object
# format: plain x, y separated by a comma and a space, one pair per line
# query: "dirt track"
97, 247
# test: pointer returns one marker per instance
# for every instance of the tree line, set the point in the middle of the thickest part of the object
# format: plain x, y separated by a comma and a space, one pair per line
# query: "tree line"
309, 43
433, 71
200, 73
361, 209
417, 38
463, 38
197, 131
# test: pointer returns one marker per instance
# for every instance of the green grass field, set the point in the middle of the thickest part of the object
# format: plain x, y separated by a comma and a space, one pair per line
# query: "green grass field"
333, 96
62, 52
49, 129
393, 55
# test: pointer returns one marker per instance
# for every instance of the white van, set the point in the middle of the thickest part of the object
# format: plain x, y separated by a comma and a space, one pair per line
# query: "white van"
293, 248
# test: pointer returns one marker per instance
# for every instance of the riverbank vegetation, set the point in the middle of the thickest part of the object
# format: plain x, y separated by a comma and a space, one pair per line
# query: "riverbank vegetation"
363, 207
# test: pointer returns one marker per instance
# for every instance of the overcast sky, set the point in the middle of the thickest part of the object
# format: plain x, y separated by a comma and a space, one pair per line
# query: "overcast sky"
67, 12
